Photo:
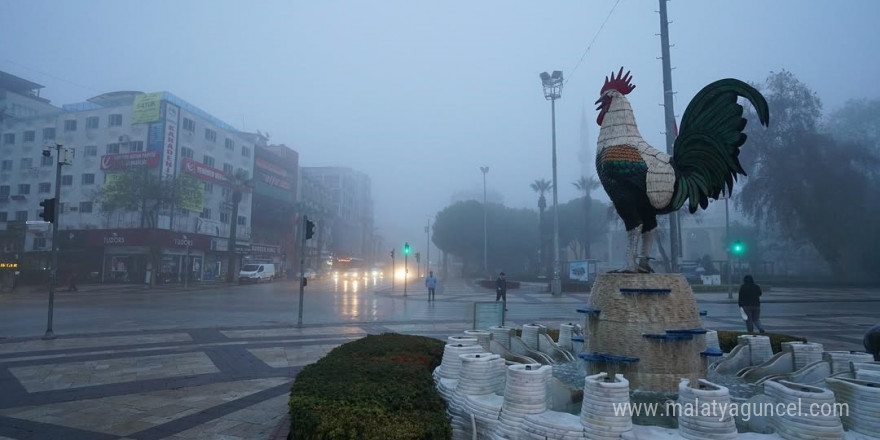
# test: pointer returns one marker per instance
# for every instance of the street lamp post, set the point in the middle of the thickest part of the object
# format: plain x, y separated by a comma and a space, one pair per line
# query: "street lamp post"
552, 89
428, 239
53, 280
485, 225
727, 238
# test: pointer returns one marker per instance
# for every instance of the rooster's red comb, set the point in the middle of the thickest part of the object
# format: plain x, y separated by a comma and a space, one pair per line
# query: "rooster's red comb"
621, 83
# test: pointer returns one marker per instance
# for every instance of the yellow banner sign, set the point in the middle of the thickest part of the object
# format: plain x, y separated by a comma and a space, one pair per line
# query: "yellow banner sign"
192, 197
146, 108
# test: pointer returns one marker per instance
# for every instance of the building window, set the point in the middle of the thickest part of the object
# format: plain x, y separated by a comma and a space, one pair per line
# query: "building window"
112, 148
8, 138
242, 220
4, 191
66, 180
24, 188
230, 145
27, 162
208, 160
209, 188
224, 218
206, 213
21, 216
39, 243
3, 216
6, 166
245, 151
91, 150
49, 134
227, 168
136, 146
189, 125
70, 125
45, 187
114, 120
91, 122
47, 161
85, 207
210, 135
88, 179
30, 136
186, 152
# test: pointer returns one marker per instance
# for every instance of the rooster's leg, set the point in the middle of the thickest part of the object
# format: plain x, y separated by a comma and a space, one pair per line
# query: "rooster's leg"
647, 242
633, 237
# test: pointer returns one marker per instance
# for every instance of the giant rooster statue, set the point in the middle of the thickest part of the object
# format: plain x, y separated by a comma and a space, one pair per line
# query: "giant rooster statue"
643, 182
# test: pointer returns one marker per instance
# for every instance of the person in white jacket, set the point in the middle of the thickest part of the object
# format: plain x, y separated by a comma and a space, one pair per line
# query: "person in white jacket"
431, 284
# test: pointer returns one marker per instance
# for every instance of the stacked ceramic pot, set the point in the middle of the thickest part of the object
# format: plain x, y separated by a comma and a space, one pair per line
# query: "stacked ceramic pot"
566, 331
712, 339
700, 413
530, 335
552, 425
478, 376
463, 340
525, 393
840, 360
812, 415
482, 400
483, 337
869, 371
602, 395
446, 375
863, 404
759, 347
803, 353
501, 335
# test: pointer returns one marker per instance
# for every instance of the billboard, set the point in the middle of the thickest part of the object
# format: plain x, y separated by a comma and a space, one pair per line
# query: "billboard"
146, 108
271, 179
138, 159
202, 171
169, 140
579, 270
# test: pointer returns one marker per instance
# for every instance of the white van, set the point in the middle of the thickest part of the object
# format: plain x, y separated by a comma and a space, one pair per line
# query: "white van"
256, 273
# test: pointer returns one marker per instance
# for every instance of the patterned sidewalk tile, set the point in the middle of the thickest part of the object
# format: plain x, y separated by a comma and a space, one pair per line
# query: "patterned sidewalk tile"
283, 357
92, 342
81, 374
293, 331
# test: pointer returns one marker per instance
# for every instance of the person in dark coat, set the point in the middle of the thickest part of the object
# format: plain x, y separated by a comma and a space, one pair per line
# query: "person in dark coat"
750, 301
501, 289
872, 341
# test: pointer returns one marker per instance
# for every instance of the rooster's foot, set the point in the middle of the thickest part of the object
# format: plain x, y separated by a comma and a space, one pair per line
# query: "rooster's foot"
644, 266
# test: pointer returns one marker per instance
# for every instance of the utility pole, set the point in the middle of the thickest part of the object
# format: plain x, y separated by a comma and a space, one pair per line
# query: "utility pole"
302, 264
674, 221
485, 170
393, 274
53, 274
405, 265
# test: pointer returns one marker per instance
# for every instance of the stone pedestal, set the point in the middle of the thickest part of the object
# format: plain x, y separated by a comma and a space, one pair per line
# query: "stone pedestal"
646, 327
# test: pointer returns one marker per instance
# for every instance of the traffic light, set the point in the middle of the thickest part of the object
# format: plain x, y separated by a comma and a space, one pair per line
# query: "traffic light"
738, 248
418, 257
392, 254
48, 213
406, 249
310, 228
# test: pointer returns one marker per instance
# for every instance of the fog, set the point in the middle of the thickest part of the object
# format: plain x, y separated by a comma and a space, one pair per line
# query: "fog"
419, 95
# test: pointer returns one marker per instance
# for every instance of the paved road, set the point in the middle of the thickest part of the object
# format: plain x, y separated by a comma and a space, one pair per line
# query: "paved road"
218, 362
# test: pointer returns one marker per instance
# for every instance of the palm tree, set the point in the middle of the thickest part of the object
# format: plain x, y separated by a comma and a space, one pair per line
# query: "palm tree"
587, 185
541, 186
240, 182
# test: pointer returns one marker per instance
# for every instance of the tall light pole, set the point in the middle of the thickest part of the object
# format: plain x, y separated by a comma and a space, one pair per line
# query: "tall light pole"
53, 275
428, 238
485, 225
727, 248
674, 221
552, 91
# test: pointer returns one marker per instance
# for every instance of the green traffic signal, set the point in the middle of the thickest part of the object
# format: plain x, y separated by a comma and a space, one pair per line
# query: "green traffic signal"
406, 249
738, 248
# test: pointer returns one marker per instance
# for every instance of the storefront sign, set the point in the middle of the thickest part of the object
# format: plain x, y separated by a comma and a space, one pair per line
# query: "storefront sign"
265, 249
146, 108
8, 265
203, 171
144, 237
138, 159
169, 158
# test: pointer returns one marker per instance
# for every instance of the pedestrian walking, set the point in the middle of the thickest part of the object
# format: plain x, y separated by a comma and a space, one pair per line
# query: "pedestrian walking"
71, 282
431, 284
501, 289
750, 301
872, 341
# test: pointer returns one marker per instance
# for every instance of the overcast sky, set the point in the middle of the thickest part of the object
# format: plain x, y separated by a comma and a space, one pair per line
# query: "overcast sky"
420, 94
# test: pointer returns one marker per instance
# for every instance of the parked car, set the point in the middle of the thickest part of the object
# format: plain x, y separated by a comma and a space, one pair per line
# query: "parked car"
256, 273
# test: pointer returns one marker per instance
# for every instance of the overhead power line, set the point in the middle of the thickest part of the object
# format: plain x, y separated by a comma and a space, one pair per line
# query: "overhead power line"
589, 46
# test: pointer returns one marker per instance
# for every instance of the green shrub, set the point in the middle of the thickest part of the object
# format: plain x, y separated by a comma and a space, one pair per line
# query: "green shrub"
727, 339
378, 387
